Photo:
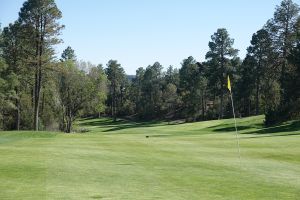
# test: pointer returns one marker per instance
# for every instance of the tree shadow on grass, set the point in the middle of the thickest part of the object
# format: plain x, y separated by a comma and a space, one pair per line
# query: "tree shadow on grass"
121, 124
288, 127
256, 129
273, 135
230, 129
104, 122
285, 129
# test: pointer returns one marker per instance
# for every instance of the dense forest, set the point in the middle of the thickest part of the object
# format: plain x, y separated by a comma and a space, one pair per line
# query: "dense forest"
42, 92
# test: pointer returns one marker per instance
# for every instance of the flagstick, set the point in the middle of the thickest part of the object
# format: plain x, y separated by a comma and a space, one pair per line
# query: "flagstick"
236, 131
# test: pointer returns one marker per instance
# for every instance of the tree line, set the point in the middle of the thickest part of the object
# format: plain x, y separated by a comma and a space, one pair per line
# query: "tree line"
39, 91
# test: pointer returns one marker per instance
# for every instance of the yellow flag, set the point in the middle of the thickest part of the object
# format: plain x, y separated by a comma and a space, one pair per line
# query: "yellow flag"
228, 84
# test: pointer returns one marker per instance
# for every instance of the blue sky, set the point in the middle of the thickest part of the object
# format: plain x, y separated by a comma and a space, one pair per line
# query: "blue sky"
139, 32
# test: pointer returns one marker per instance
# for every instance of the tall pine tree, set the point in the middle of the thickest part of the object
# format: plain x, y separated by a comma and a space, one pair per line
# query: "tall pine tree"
39, 19
219, 55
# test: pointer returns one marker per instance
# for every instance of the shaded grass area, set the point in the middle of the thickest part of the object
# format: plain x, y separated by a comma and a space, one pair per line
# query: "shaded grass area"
120, 124
115, 160
257, 128
253, 126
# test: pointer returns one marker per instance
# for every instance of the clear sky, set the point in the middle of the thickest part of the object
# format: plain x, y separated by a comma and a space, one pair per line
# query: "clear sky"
139, 32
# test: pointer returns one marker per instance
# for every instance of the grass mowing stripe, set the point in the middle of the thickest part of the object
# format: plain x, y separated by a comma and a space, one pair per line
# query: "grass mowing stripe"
181, 161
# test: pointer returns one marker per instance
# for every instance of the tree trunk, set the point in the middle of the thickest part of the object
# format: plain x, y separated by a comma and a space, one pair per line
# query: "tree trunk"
36, 101
257, 98
222, 84
37, 98
112, 100
249, 107
43, 101
221, 104
18, 121
68, 128
115, 111
37, 81
62, 123
203, 106
36, 115
285, 50
258, 74
32, 96
40, 26
3, 119
114, 104
69, 122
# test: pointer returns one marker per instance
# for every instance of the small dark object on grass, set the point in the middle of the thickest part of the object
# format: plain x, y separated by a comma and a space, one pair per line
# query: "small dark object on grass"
83, 130
147, 136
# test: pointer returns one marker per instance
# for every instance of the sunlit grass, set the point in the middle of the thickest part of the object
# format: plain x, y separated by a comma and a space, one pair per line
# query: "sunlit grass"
176, 161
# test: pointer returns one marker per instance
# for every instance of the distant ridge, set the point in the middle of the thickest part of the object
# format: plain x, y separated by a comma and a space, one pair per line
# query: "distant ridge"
130, 77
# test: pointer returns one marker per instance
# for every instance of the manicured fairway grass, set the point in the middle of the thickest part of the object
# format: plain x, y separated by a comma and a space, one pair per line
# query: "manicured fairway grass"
177, 161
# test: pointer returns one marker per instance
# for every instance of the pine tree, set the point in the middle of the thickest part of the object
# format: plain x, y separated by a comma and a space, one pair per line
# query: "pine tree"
116, 77
192, 85
219, 55
261, 53
282, 30
40, 30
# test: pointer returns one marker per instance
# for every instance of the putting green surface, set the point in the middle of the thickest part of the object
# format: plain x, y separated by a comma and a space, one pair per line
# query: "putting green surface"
177, 161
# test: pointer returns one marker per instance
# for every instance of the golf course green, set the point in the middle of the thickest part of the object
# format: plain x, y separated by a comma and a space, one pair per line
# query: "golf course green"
153, 160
